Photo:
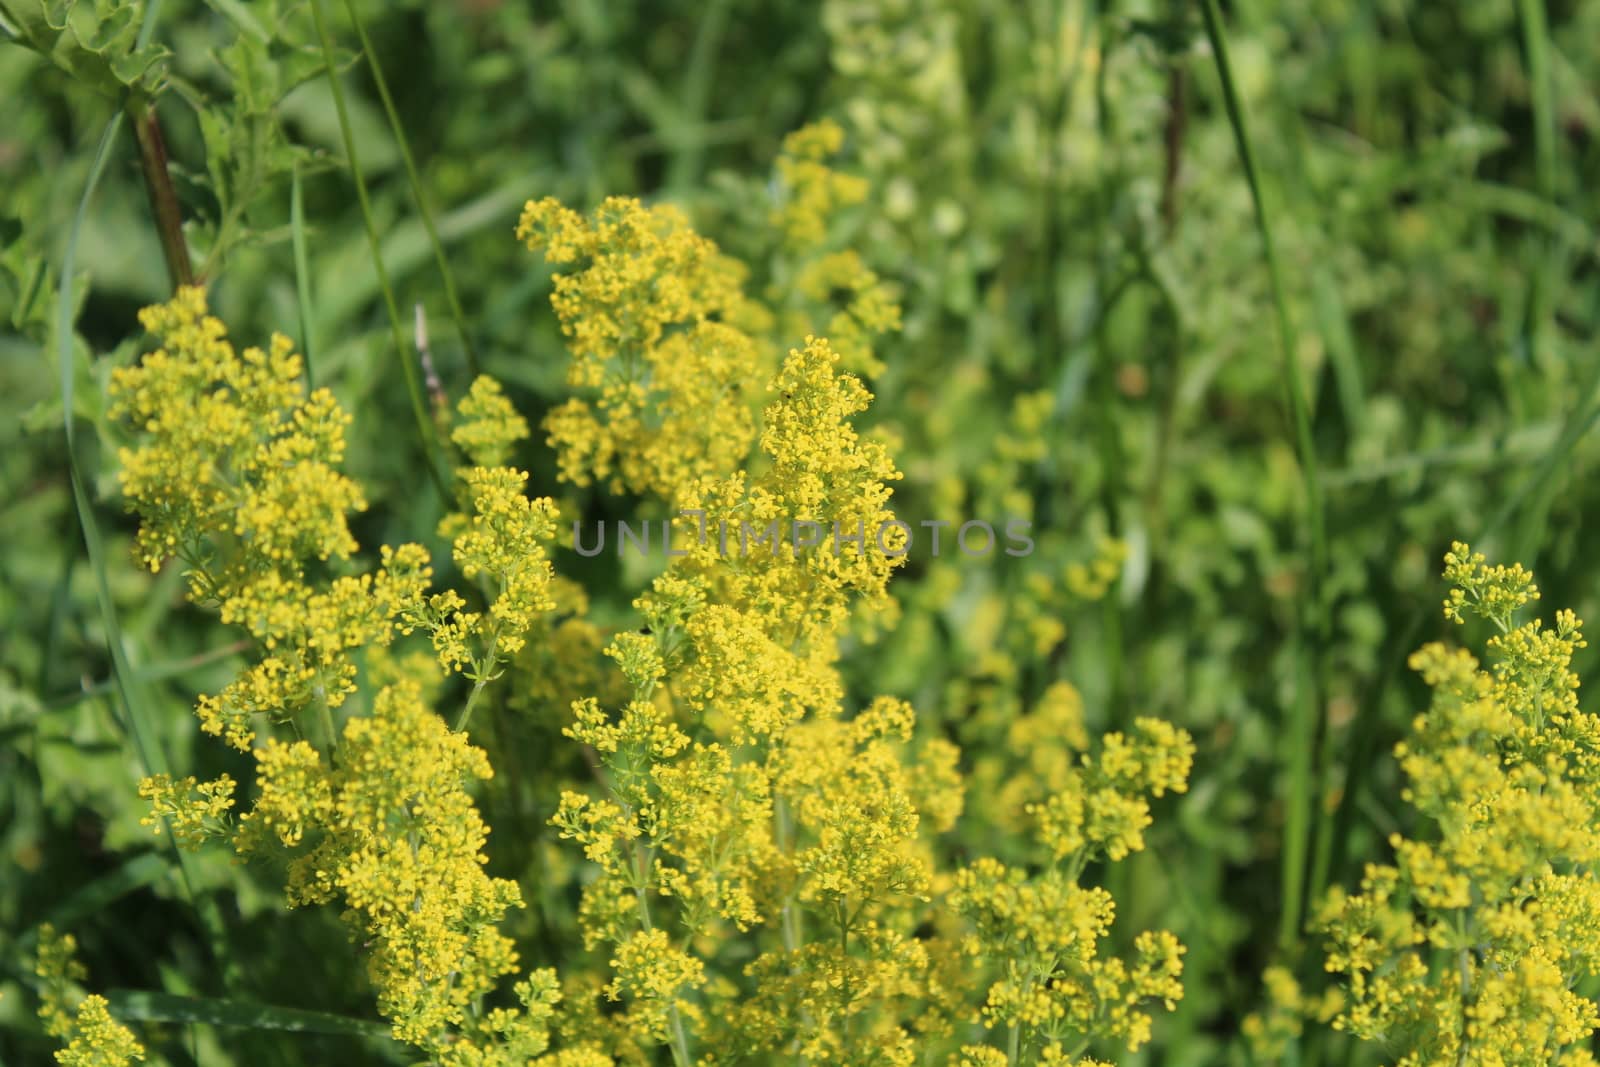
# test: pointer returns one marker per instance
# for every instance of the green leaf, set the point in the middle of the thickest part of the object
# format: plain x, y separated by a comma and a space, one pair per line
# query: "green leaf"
100, 50
241, 16
141, 1006
25, 289
254, 76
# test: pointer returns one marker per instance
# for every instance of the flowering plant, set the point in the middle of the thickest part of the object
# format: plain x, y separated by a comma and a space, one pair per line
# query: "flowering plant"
760, 872
1467, 948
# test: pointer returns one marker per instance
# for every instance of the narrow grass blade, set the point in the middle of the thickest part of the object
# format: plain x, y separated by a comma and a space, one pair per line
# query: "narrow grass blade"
1539, 318
1333, 322
1524, 445
1536, 46
418, 193
700, 74
302, 275
1106, 408
419, 405
148, 753
1308, 726
152, 672
142, 1006
405, 247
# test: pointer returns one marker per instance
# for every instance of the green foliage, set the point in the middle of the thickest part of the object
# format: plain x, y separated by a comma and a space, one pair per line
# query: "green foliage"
101, 49
1026, 225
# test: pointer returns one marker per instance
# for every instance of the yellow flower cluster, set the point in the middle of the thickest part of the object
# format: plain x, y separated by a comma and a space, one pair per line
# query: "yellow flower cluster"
753, 856
233, 445
1270, 1032
503, 544
816, 283
376, 815
799, 544
1092, 580
811, 191
1467, 948
765, 856
487, 427
196, 811
1100, 808
237, 476
662, 379
855, 304
1494, 593
93, 1038
390, 831
1040, 933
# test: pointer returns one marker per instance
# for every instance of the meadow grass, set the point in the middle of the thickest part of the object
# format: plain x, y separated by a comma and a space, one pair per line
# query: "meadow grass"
1303, 307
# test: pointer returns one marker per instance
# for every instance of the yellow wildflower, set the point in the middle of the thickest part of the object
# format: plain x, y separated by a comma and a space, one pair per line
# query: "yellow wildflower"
93, 1038
1502, 764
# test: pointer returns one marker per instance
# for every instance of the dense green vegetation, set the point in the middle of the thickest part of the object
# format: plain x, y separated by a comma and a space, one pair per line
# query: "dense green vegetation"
1251, 310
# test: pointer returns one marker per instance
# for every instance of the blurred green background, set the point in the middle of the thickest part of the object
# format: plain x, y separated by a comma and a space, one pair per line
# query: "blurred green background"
1092, 339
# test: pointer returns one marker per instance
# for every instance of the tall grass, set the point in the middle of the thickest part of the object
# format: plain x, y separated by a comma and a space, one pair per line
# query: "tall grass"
426, 431
1307, 726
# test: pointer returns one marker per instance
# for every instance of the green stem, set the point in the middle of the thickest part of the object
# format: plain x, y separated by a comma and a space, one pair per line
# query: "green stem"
302, 273
1154, 506
1539, 317
1044, 265
1535, 39
158, 184
328, 735
785, 840
472, 700
1306, 735
1111, 461
419, 407
481, 670
793, 937
1464, 961
680, 1039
